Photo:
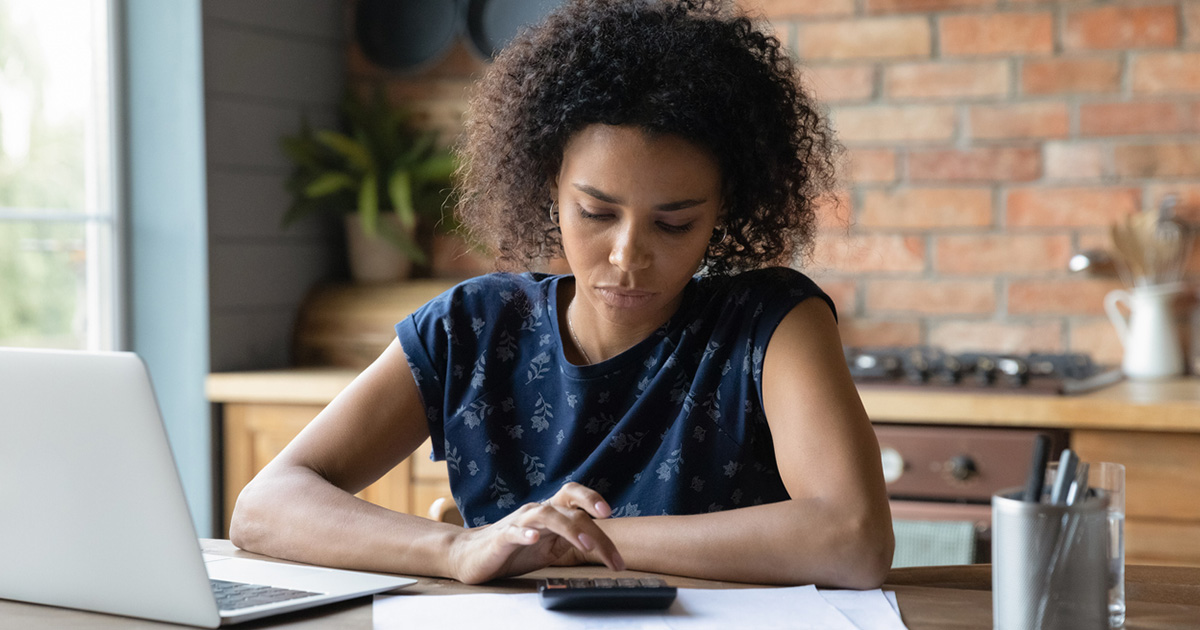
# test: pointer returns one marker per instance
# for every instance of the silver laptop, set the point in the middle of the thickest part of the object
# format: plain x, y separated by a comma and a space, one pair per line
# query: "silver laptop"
92, 512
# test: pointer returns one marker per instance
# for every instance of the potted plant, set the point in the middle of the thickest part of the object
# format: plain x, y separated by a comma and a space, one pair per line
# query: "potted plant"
382, 173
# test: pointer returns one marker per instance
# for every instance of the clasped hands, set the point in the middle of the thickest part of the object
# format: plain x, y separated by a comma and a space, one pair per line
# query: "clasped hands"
560, 530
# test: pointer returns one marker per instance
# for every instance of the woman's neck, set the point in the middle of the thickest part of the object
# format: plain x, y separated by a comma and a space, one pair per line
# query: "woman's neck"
596, 339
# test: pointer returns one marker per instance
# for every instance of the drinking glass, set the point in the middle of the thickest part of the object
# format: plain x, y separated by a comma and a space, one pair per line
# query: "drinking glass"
1109, 478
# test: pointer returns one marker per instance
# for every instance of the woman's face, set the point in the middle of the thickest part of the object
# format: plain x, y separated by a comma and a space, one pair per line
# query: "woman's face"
636, 212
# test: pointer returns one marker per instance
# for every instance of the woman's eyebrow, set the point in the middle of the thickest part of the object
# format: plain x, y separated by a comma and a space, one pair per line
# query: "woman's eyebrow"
600, 195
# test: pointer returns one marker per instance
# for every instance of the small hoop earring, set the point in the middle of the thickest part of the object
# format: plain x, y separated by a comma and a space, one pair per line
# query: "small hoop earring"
553, 214
724, 236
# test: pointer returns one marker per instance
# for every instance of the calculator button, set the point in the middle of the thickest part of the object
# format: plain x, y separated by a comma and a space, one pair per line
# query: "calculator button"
579, 583
652, 582
556, 582
604, 582
627, 582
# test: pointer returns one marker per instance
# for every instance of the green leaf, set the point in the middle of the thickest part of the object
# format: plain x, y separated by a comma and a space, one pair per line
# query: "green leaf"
301, 150
420, 148
438, 169
328, 184
400, 191
404, 241
368, 205
355, 152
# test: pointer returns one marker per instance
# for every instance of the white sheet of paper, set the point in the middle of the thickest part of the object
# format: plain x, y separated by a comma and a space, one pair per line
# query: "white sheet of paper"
873, 610
891, 595
794, 608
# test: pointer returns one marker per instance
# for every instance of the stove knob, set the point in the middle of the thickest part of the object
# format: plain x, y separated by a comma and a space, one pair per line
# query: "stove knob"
985, 371
917, 377
961, 467
1015, 370
892, 367
893, 464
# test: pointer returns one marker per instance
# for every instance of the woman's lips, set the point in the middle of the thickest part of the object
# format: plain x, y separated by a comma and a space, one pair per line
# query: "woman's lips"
624, 298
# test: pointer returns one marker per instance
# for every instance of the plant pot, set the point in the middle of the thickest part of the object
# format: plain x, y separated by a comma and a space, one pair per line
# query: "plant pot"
373, 260
452, 257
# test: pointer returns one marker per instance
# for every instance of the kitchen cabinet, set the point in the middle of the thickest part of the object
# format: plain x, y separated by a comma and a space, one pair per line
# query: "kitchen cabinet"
1162, 489
254, 433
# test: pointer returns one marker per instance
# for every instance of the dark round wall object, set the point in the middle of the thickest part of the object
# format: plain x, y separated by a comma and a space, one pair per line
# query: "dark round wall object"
490, 24
405, 34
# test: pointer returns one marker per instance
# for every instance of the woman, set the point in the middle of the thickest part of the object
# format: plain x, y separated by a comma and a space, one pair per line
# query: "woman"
632, 413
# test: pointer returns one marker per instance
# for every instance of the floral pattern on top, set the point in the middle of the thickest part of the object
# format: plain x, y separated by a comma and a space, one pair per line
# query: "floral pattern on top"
673, 425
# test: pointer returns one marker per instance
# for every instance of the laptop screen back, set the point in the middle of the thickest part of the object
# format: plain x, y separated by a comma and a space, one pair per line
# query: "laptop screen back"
92, 513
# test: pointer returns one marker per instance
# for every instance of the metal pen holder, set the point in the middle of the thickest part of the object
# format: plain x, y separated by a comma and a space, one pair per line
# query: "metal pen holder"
1049, 564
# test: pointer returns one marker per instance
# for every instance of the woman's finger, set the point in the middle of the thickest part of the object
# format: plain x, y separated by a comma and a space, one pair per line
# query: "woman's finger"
576, 528
523, 535
578, 496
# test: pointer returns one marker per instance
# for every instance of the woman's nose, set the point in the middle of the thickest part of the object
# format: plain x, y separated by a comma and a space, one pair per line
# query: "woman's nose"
630, 252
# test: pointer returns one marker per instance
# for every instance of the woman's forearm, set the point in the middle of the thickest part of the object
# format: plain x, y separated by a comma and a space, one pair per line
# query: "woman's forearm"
805, 541
297, 515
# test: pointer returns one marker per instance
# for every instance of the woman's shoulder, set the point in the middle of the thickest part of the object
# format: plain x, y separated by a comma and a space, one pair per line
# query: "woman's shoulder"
471, 312
491, 284
767, 280
768, 289
493, 291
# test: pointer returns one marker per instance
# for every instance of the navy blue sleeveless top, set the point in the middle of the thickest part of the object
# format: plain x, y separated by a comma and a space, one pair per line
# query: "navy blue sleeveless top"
673, 425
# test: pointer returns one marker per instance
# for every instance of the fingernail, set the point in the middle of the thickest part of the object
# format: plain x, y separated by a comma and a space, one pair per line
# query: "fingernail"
602, 509
531, 534
618, 561
586, 541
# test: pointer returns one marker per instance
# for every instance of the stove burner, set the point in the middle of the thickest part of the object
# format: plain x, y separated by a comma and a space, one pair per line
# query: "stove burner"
931, 367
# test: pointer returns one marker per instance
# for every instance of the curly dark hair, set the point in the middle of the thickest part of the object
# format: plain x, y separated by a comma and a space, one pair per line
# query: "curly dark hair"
697, 69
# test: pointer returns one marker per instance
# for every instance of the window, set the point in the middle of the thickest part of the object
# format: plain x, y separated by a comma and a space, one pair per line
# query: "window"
59, 219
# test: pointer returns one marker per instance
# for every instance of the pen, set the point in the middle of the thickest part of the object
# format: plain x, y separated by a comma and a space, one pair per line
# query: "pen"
1062, 481
1079, 488
1037, 469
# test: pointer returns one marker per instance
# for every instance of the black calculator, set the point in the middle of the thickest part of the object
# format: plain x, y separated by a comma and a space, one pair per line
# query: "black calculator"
605, 594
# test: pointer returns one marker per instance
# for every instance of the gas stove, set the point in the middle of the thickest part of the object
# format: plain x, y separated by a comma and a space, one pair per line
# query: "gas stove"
931, 368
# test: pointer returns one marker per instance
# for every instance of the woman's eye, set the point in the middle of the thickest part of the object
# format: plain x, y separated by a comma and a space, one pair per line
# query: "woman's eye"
591, 215
669, 228
675, 229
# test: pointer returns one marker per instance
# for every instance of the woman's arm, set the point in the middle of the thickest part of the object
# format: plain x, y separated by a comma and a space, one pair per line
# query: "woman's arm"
836, 529
302, 506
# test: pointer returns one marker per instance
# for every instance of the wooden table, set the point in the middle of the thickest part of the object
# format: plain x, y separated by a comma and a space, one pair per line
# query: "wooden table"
929, 597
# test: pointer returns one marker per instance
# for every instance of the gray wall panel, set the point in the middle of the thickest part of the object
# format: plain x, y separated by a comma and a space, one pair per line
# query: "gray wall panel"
272, 66
265, 274
265, 63
301, 17
246, 134
245, 204
254, 338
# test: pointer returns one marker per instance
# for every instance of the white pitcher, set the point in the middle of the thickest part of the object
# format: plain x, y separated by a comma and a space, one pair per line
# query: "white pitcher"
1152, 345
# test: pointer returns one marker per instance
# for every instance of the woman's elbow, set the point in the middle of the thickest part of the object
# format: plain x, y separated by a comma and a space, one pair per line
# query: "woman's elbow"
246, 526
869, 551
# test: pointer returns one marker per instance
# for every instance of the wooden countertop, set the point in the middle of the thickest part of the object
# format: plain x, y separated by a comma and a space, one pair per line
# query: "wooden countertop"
1171, 405
299, 386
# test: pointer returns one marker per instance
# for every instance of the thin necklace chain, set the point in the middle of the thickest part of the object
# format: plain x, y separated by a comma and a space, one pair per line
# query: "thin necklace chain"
571, 329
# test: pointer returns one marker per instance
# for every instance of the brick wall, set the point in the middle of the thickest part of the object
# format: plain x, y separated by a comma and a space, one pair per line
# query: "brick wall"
988, 140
